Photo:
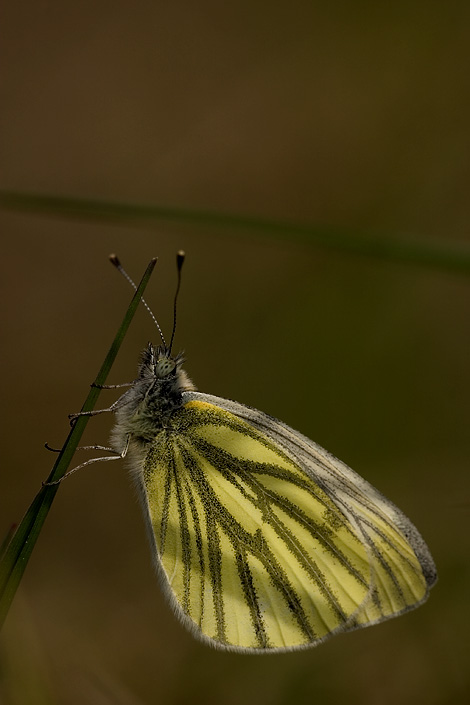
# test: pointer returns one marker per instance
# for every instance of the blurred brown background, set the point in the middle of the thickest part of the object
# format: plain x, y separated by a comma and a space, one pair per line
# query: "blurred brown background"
354, 115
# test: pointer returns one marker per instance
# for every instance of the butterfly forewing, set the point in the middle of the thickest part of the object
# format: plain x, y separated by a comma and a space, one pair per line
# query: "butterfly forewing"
262, 542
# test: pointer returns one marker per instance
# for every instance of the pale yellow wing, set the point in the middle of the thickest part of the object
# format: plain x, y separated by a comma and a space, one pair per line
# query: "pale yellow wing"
263, 541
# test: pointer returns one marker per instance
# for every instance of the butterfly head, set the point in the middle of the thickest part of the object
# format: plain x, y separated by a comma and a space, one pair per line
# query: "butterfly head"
164, 366
158, 365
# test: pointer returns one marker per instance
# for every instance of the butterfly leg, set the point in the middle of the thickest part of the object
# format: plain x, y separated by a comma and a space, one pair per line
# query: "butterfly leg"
57, 450
118, 455
111, 386
95, 412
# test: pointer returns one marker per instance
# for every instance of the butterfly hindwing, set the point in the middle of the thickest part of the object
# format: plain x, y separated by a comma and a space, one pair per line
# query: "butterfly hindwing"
263, 540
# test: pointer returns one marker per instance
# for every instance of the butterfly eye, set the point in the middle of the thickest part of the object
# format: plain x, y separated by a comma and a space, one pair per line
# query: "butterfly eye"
164, 367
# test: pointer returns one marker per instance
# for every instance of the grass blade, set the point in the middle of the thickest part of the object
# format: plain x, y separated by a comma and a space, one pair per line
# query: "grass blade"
16, 555
444, 255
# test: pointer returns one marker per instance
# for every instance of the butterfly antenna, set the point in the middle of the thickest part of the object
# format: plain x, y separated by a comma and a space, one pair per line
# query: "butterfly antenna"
179, 264
114, 259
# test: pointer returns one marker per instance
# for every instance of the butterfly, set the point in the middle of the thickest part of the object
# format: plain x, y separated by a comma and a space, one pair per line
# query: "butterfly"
262, 540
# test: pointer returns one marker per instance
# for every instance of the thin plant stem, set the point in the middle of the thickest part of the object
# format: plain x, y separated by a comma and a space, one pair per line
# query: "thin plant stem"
16, 555
438, 254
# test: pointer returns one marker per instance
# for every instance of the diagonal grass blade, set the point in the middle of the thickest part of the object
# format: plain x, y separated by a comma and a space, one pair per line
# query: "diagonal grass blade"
16, 555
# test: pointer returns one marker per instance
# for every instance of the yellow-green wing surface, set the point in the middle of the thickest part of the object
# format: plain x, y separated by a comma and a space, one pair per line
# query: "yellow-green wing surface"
263, 540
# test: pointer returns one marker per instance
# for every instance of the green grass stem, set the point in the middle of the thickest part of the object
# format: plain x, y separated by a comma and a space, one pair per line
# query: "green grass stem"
448, 255
20, 546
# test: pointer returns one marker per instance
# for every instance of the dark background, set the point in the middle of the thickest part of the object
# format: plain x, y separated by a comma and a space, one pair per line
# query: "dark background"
352, 115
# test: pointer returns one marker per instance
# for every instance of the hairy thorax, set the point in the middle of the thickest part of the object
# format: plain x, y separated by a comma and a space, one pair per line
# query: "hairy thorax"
148, 406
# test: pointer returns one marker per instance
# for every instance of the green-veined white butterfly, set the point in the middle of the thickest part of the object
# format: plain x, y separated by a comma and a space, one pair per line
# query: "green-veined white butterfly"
262, 540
